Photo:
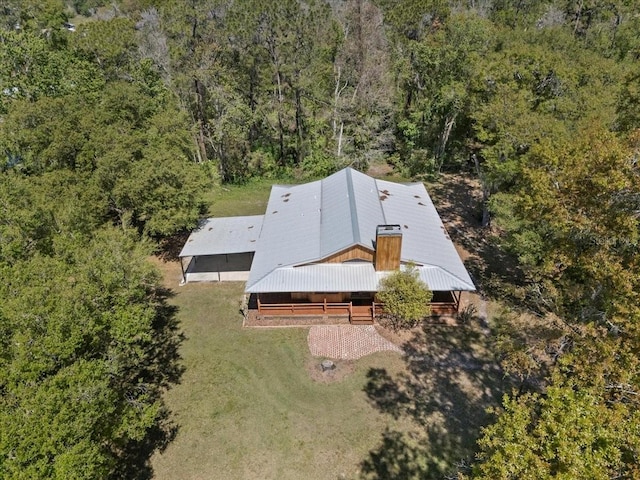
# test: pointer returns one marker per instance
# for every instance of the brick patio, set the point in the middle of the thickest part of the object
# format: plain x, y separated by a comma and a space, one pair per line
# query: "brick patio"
347, 342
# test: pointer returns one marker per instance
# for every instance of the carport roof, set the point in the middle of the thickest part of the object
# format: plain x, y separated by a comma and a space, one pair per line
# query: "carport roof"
217, 236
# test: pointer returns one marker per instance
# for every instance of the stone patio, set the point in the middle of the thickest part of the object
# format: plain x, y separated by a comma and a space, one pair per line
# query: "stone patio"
347, 342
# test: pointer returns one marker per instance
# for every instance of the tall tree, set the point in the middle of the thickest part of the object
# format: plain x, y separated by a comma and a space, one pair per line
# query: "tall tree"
362, 84
131, 147
83, 367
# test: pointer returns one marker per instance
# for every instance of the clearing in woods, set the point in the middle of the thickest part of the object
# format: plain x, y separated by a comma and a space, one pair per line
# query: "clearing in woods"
253, 404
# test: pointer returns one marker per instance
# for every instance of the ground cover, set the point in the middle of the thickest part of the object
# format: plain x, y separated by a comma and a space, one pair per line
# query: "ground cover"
246, 199
248, 405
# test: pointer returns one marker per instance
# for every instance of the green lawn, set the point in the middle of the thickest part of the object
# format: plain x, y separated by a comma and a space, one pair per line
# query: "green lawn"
248, 406
248, 199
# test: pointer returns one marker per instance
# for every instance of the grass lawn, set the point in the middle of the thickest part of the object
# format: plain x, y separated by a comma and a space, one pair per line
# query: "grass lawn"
248, 199
248, 406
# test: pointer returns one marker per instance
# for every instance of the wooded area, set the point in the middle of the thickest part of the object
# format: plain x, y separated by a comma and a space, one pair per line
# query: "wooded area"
117, 117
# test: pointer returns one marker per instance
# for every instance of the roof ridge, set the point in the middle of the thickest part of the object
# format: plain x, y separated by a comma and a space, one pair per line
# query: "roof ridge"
448, 272
355, 226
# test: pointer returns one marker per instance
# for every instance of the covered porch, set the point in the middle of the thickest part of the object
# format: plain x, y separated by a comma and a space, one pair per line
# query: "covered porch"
358, 311
360, 308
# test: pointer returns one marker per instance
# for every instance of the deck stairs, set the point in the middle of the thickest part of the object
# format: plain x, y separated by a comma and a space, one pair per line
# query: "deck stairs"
361, 315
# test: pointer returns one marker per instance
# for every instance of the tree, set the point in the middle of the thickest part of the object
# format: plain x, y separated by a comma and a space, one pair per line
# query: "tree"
444, 65
131, 149
629, 103
574, 225
362, 83
567, 433
571, 217
83, 367
406, 298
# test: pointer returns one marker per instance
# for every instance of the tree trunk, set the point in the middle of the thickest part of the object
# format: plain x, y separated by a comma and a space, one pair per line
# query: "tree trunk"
450, 121
198, 89
486, 192
299, 127
337, 94
201, 120
280, 100
336, 98
254, 133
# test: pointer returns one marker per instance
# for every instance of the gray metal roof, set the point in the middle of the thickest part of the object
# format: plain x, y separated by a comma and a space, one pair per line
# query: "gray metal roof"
346, 277
325, 277
306, 223
215, 236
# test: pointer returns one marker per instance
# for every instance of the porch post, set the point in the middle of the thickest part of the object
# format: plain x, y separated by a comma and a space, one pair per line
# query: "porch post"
184, 277
457, 298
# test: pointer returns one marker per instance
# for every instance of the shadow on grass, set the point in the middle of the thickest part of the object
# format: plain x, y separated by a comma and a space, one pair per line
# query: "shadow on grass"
161, 370
450, 381
169, 248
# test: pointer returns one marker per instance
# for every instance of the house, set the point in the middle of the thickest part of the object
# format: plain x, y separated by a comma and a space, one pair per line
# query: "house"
323, 247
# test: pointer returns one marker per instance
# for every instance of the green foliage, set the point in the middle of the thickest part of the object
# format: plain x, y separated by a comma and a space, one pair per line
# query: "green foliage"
570, 215
629, 103
320, 164
437, 82
80, 371
107, 44
42, 17
405, 297
84, 7
569, 432
32, 68
411, 19
130, 149
89, 137
570, 220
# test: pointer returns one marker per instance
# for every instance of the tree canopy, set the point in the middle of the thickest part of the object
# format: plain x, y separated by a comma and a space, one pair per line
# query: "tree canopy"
117, 119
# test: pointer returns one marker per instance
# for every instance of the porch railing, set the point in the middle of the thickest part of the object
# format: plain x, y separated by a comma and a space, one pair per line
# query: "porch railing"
361, 312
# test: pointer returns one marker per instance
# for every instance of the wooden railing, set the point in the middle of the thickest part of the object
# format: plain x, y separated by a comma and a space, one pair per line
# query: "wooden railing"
360, 313
444, 308
357, 313
324, 308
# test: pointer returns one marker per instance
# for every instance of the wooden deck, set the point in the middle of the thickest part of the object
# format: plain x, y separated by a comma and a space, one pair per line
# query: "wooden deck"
359, 312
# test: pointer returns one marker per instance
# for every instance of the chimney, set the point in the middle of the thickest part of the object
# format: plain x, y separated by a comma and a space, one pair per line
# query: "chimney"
388, 247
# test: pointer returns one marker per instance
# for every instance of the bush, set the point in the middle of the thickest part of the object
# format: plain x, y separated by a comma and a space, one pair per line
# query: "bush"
406, 298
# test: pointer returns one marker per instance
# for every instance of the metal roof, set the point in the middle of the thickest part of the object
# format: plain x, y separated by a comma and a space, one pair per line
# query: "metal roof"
346, 277
325, 277
215, 236
306, 223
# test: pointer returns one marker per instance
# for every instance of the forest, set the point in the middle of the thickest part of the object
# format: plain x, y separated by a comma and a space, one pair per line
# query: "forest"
117, 118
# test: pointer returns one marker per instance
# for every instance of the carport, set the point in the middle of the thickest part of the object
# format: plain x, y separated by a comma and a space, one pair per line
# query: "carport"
220, 249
